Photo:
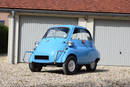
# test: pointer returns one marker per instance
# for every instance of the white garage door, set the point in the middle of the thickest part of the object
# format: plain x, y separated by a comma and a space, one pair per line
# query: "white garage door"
112, 39
32, 28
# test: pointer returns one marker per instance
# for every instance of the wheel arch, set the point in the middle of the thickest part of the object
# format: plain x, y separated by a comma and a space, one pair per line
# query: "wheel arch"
71, 55
97, 59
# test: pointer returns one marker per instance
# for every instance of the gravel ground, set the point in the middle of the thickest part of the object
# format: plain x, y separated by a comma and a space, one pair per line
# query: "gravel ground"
20, 75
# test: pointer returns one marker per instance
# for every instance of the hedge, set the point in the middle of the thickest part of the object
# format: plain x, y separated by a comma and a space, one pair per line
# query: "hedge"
3, 38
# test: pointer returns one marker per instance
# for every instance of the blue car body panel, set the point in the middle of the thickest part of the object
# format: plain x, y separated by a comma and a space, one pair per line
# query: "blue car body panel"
85, 53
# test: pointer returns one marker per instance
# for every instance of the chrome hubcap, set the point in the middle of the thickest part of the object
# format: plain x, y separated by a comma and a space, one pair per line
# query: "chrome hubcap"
92, 65
71, 65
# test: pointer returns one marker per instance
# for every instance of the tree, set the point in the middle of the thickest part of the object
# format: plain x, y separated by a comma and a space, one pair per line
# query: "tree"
3, 38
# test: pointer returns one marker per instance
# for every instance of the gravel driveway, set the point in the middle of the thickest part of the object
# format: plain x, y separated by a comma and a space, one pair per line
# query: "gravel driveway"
20, 75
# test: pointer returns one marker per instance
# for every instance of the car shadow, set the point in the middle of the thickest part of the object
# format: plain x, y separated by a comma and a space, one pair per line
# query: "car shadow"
83, 71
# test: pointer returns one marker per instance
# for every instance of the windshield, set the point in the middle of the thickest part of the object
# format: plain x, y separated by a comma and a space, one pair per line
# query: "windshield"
60, 32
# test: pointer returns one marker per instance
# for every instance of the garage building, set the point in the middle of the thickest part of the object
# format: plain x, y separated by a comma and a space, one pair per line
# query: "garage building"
108, 21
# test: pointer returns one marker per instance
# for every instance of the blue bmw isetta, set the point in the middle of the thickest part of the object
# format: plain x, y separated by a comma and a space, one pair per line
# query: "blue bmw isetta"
67, 46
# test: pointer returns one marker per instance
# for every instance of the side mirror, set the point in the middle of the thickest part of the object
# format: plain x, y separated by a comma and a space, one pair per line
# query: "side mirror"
70, 43
36, 43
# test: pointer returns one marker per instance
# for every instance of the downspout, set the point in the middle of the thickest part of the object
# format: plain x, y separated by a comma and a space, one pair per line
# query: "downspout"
13, 36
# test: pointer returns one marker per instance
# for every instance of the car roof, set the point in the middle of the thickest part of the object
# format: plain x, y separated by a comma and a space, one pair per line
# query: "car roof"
70, 26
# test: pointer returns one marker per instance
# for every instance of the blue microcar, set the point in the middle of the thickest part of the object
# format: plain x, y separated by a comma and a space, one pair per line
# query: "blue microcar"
67, 46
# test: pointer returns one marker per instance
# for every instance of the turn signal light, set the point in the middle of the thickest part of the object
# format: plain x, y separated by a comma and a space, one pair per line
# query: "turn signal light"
83, 41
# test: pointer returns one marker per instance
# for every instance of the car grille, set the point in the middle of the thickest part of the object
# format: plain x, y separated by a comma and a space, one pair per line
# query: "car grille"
42, 57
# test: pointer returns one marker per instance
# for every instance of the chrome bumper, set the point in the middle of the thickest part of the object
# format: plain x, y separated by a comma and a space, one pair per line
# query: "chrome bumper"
27, 52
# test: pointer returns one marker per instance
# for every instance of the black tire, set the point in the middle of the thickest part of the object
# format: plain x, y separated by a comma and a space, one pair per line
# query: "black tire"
90, 68
34, 67
66, 70
78, 68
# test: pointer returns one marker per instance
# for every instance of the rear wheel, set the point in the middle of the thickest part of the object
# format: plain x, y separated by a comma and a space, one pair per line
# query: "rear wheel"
91, 67
35, 67
70, 65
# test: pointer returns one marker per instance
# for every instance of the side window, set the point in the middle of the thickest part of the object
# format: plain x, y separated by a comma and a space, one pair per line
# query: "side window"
2, 21
81, 34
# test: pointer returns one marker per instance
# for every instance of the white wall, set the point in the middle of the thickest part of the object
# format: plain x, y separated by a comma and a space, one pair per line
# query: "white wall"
11, 40
88, 23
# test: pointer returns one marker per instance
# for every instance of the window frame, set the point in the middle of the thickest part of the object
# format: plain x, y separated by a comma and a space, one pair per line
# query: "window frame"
44, 36
85, 31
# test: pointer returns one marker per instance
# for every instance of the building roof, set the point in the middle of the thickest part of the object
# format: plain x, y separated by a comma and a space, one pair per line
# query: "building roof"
110, 6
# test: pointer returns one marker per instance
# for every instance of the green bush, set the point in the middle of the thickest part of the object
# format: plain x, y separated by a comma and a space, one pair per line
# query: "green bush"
3, 38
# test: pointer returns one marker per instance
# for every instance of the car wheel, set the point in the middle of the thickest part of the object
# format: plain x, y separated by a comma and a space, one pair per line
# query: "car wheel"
92, 66
69, 67
34, 67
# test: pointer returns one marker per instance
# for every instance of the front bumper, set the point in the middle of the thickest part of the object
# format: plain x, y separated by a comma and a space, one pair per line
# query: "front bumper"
50, 64
50, 60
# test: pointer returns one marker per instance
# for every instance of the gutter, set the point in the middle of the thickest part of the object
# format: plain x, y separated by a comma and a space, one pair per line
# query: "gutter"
66, 12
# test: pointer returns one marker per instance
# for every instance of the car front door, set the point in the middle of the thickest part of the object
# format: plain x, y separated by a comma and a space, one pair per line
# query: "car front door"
82, 44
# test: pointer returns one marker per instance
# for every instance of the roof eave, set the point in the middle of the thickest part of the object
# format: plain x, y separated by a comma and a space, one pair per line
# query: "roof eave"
65, 12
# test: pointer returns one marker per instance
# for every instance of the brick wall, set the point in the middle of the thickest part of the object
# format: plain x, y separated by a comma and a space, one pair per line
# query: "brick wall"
4, 16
